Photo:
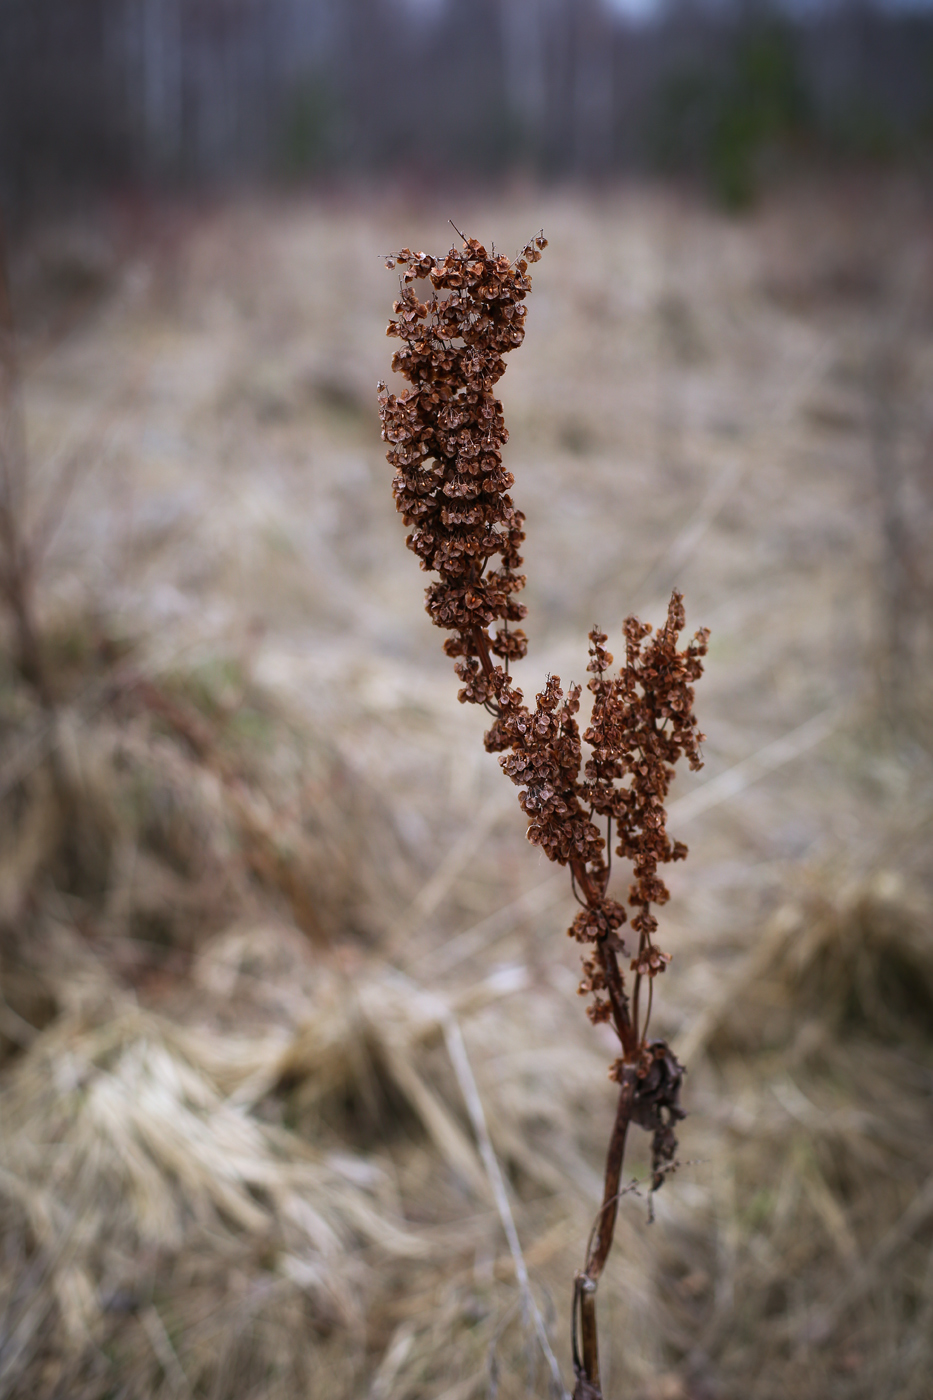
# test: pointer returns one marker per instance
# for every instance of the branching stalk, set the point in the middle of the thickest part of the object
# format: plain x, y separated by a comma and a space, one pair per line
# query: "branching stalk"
445, 436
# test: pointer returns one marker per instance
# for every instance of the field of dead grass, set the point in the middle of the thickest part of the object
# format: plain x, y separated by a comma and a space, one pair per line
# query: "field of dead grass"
261, 888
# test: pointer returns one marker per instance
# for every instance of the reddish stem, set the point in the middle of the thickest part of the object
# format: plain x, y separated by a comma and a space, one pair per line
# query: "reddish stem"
586, 1366
481, 642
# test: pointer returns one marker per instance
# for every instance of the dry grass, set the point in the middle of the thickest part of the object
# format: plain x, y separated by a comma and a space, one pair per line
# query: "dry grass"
236, 1159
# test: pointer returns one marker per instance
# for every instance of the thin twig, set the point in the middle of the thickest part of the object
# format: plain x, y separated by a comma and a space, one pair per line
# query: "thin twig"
456, 1049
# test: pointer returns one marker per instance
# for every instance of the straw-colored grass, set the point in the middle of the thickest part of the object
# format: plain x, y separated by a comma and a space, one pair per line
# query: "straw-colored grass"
269, 927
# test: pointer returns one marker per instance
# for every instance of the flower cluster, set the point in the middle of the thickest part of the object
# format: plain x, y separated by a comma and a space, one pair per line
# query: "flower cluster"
445, 436
642, 722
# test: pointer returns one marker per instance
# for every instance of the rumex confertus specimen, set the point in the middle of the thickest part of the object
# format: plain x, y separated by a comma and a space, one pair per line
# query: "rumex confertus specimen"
446, 434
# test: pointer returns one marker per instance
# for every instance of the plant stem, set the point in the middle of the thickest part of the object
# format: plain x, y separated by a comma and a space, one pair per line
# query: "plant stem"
586, 1366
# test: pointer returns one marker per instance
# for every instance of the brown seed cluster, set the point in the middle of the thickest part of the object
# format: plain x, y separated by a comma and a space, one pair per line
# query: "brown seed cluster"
446, 435
642, 723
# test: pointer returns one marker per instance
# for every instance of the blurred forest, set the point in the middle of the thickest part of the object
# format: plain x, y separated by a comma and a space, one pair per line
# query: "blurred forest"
278, 969
169, 91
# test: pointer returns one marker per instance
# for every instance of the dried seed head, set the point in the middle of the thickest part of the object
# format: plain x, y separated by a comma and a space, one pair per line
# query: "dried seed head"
642, 723
446, 434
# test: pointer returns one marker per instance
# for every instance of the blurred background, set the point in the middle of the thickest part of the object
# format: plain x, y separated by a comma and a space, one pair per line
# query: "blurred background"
269, 927
177, 93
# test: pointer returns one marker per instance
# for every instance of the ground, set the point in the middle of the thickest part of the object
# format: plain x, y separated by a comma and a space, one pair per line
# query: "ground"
738, 408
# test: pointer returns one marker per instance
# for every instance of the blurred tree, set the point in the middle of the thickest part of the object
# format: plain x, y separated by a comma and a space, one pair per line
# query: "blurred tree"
725, 118
160, 91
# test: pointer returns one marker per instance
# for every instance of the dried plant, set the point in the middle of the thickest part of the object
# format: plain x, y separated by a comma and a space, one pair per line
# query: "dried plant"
446, 434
